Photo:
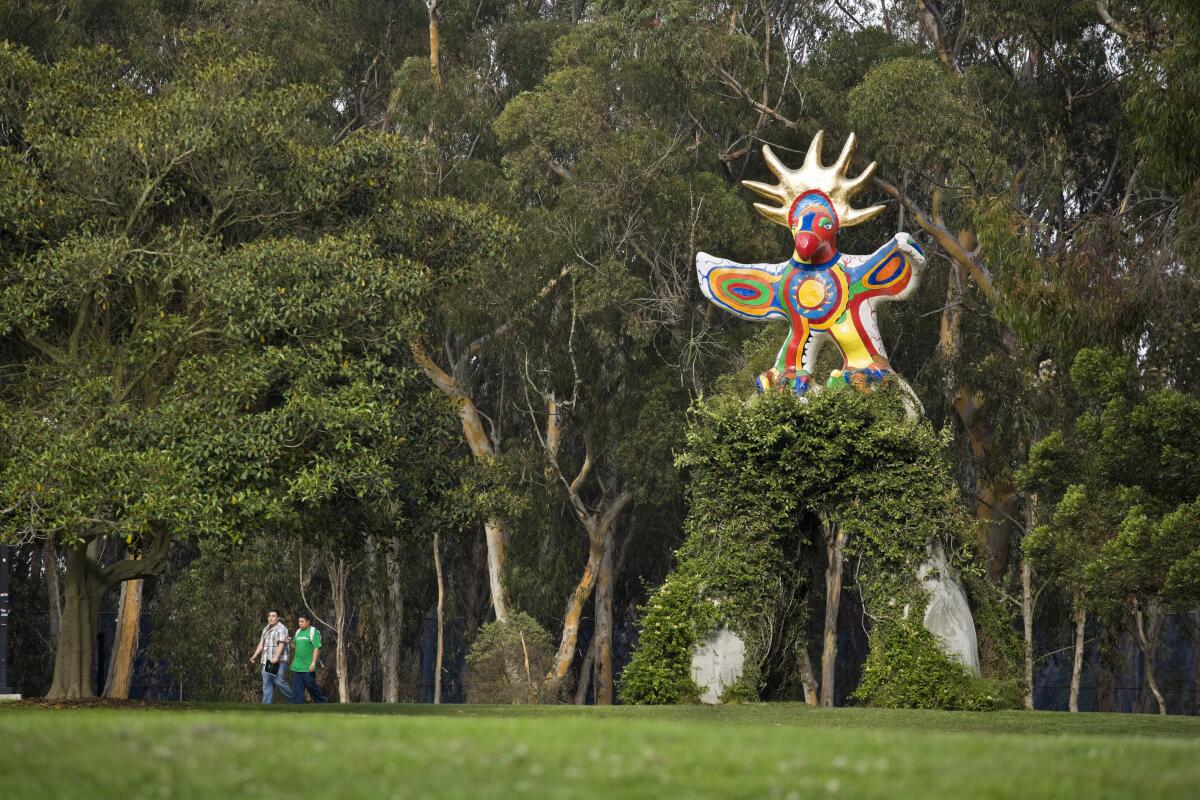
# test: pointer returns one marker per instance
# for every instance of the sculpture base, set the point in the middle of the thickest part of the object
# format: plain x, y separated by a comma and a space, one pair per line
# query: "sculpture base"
717, 664
948, 615
4, 697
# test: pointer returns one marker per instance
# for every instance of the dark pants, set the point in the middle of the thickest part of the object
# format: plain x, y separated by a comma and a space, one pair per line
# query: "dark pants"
302, 681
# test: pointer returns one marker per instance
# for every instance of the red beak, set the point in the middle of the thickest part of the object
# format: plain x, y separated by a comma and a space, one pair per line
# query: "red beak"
807, 244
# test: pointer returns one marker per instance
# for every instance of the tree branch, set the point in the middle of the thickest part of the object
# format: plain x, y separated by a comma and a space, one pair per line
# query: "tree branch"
553, 427
585, 469
968, 259
304, 581
935, 29
151, 562
614, 510
741, 92
152, 185
45, 348
585, 515
85, 308
501, 330
439, 376
849, 14
1115, 26
559, 168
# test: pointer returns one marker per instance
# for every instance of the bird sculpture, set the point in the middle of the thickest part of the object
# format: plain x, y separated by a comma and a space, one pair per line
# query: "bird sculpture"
823, 292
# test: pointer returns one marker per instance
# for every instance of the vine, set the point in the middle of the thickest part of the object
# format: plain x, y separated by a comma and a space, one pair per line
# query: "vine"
759, 477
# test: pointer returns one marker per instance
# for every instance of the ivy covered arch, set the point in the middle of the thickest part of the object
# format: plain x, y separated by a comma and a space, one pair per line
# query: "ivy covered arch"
781, 489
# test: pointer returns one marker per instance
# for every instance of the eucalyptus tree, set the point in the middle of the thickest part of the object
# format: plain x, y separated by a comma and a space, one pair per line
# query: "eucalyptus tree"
447, 98
615, 186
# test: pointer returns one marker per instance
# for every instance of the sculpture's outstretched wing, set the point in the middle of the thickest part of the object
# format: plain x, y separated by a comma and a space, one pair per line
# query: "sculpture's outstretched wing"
752, 291
892, 272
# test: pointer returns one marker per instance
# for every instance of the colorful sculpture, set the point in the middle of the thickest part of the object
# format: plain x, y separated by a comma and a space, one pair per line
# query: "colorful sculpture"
826, 294
823, 292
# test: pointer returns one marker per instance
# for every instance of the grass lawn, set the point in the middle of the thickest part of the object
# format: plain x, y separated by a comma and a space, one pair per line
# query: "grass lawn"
761, 751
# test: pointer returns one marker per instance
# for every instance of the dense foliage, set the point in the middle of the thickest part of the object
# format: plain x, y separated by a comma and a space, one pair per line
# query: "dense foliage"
508, 660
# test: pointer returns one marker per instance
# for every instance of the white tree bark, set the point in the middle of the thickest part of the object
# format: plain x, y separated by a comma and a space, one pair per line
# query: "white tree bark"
1080, 615
441, 647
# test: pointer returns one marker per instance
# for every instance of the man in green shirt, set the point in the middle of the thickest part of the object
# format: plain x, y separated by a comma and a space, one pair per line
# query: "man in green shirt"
306, 646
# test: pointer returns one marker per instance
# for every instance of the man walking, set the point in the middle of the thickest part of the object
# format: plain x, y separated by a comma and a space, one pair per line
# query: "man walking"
307, 642
272, 644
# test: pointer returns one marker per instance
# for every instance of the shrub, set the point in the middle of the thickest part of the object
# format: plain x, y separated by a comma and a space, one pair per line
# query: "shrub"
508, 661
660, 672
906, 668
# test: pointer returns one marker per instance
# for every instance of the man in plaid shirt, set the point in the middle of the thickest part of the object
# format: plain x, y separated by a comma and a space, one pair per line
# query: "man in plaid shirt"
273, 645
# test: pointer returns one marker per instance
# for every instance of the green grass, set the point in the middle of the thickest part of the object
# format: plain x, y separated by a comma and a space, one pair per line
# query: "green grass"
762, 751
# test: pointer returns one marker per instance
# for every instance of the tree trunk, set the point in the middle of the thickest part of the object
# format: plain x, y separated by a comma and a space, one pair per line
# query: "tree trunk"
129, 613
1027, 611
1147, 632
338, 574
477, 590
585, 674
812, 691
494, 535
604, 621
997, 501
570, 633
85, 585
53, 590
600, 527
393, 619
73, 659
441, 646
1080, 614
835, 548
1196, 658
366, 641
482, 450
378, 611
387, 610
1110, 658
435, 42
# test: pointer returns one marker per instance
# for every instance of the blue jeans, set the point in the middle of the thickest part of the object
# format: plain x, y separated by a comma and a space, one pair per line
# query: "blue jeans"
271, 681
302, 681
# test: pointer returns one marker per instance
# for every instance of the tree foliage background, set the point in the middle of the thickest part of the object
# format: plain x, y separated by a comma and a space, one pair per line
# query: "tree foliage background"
275, 276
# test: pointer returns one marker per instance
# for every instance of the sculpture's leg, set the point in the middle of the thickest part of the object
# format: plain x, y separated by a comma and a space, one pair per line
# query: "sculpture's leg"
771, 378
786, 373
812, 351
865, 366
